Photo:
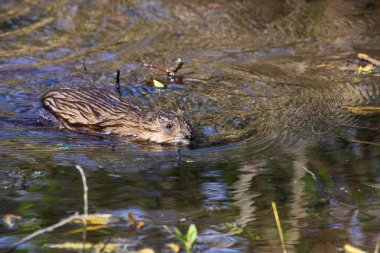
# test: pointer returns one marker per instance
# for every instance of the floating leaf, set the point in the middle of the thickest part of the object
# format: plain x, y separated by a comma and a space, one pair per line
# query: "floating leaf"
146, 250
10, 220
94, 219
135, 222
78, 246
351, 249
158, 84
174, 247
88, 228
368, 68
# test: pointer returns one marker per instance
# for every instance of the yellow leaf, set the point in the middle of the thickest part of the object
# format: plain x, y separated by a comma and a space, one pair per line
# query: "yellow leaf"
77, 246
146, 250
135, 223
10, 219
368, 68
158, 84
351, 249
95, 219
88, 228
175, 247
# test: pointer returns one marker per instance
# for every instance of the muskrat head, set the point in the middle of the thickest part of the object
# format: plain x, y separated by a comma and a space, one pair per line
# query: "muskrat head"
166, 127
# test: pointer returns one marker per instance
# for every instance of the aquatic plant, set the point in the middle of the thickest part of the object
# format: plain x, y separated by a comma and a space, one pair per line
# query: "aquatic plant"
187, 239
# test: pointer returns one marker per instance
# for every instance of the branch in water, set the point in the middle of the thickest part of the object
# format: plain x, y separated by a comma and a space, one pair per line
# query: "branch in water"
179, 64
84, 66
172, 72
118, 82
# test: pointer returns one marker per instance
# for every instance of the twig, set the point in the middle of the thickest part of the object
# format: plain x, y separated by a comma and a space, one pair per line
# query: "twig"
44, 230
85, 205
85, 71
179, 155
117, 81
377, 246
156, 67
368, 59
171, 73
84, 65
85, 190
179, 64
310, 172
279, 227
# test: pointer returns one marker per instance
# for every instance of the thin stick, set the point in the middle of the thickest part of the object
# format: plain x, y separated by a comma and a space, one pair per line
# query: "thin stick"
117, 81
85, 205
311, 173
84, 65
179, 64
368, 59
170, 73
279, 227
85, 190
44, 230
377, 246
156, 67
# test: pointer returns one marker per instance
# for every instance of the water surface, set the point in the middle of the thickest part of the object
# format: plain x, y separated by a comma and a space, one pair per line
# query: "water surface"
267, 89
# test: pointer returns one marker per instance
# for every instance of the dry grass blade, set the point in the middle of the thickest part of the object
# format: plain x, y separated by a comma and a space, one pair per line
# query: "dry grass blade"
279, 227
85, 190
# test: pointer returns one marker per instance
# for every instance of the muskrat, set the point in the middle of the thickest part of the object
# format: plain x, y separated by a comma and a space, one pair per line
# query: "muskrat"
102, 113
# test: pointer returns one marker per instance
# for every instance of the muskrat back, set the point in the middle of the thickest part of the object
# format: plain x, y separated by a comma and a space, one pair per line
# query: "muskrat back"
99, 112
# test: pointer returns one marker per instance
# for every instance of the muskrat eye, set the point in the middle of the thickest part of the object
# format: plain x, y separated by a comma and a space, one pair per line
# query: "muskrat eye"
169, 126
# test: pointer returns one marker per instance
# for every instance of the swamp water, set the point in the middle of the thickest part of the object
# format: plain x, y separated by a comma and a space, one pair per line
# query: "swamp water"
270, 91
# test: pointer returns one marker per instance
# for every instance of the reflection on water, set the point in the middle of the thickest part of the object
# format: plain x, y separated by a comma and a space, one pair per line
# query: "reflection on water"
267, 90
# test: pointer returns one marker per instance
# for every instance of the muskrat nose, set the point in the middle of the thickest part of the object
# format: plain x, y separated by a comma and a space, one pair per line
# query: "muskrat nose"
188, 136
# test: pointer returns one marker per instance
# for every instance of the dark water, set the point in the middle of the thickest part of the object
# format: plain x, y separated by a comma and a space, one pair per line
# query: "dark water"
267, 90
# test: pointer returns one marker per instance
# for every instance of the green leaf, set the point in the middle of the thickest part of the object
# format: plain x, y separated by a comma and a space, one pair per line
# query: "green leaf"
188, 239
158, 84
192, 234
177, 232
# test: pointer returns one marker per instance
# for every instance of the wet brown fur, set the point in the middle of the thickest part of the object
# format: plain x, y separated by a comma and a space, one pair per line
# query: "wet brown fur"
99, 112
